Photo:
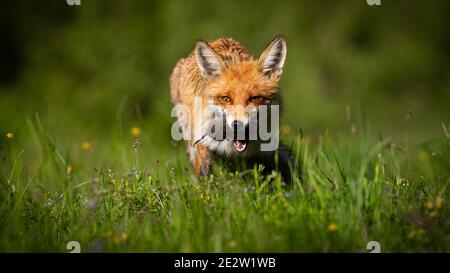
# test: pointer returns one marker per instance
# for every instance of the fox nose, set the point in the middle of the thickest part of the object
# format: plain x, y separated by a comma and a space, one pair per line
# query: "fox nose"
238, 125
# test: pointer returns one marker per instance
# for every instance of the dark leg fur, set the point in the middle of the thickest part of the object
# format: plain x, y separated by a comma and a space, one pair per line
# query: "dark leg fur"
285, 163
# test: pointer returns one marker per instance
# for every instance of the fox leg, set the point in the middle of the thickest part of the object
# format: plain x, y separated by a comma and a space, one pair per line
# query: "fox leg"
200, 158
286, 164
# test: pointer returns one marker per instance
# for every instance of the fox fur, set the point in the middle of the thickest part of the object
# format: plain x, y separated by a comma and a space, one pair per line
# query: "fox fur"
225, 75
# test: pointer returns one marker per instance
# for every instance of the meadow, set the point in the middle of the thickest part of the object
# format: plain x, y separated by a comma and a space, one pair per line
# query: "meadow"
349, 193
86, 153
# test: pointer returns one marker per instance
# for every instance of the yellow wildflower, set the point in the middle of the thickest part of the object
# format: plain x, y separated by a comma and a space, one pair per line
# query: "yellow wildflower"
232, 244
332, 227
135, 131
429, 205
439, 202
433, 214
285, 129
86, 146
120, 238
107, 234
424, 157
9, 135
415, 233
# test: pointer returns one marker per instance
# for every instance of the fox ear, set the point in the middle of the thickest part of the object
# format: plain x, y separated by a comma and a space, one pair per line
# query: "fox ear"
272, 59
209, 62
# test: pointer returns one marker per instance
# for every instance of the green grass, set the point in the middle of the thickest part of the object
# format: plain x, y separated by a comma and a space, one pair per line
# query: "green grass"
119, 196
95, 71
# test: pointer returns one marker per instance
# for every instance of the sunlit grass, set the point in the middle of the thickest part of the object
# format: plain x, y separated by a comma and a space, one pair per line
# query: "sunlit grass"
121, 196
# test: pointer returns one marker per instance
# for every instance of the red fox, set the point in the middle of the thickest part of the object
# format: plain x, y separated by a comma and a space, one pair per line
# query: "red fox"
231, 88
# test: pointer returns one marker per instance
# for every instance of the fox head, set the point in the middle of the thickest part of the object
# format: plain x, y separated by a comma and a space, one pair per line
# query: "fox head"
235, 89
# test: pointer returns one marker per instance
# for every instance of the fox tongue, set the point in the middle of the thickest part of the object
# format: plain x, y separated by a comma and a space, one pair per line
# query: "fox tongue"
240, 146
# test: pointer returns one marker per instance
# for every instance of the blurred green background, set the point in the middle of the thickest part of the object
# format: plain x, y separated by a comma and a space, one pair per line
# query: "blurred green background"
84, 69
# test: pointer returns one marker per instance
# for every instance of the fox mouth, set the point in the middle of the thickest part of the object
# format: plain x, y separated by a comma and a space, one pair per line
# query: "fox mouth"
240, 145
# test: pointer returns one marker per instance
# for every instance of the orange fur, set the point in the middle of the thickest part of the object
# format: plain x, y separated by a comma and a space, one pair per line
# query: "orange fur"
235, 74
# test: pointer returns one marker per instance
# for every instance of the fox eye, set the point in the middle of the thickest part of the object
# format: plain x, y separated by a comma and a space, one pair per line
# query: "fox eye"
254, 98
226, 98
